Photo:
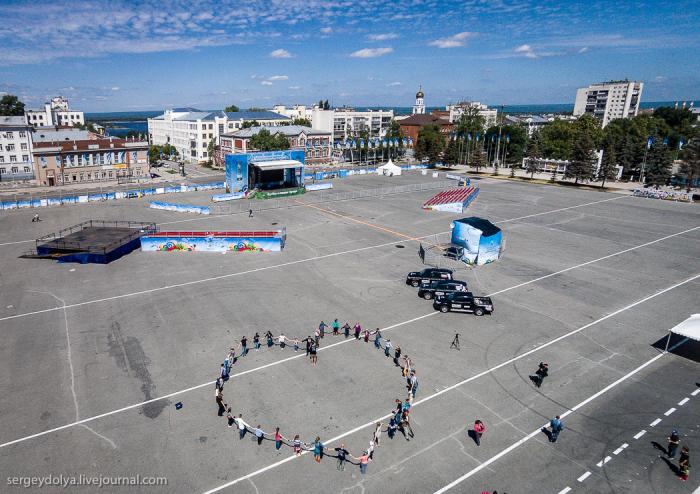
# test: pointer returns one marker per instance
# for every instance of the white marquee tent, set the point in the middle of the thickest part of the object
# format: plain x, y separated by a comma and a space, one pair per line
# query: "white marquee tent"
389, 169
690, 328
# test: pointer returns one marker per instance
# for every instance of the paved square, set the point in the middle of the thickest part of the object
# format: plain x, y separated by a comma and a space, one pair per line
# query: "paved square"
94, 357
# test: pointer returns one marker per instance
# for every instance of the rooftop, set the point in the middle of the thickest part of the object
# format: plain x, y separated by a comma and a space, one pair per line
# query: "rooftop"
88, 145
286, 130
421, 120
12, 121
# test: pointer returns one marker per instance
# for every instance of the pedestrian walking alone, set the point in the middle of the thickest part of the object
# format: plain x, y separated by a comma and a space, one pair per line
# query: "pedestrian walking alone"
318, 449
250, 213
556, 426
341, 453
673, 441
479, 429
541, 372
684, 463
244, 346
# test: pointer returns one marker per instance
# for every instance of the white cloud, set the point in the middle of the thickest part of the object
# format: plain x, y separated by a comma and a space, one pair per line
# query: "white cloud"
526, 50
382, 37
280, 53
397, 83
115, 88
266, 83
326, 30
295, 88
278, 78
583, 50
371, 52
453, 41
659, 79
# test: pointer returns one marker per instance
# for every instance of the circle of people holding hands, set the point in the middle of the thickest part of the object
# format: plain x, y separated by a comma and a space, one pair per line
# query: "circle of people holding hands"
399, 418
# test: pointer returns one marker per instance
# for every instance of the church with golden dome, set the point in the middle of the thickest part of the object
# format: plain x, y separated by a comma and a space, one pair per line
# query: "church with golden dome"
419, 107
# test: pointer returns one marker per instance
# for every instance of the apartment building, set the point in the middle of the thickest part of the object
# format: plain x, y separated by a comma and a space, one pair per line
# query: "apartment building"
191, 130
455, 112
16, 161
56, 113
609, 100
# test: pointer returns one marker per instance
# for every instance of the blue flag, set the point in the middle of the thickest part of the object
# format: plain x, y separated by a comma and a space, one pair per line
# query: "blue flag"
650, 141
665, 141
469, 136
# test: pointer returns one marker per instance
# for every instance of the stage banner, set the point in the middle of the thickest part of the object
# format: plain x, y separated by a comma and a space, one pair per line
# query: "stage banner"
323, 186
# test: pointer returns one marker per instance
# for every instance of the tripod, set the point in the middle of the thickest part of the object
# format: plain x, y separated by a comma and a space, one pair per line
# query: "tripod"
455, 342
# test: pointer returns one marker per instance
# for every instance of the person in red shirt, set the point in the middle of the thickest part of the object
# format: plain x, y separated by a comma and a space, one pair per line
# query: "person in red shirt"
479, 429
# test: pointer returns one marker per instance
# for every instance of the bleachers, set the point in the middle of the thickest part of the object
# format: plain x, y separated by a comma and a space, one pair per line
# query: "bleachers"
460, 196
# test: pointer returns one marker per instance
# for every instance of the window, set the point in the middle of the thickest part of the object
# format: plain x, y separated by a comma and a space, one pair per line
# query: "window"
2, 170
10, 147
25, 157
211, 126
2, 159
15, 169
9, 135
13, 159
204, 154
110, 174
22, 134
23, 146
27, 169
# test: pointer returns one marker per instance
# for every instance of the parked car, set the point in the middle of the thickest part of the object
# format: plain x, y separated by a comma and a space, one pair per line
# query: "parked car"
463, 302
414, 278
438, 288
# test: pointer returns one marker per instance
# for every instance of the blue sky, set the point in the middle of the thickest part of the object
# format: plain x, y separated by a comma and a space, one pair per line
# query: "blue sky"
123, 55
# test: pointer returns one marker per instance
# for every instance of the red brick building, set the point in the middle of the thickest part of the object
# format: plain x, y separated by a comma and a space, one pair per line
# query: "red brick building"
411, 126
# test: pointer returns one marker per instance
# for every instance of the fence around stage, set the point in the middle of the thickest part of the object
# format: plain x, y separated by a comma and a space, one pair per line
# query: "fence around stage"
223, 241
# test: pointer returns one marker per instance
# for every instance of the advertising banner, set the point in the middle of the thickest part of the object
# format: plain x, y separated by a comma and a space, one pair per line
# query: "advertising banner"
322, 186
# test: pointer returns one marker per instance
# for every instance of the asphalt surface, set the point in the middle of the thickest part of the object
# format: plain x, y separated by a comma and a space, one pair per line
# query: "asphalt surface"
583, 266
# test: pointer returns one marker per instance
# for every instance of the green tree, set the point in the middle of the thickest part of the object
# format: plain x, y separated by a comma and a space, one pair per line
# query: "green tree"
156, 152
470, 122
608, 165
394, 130
249, 123
10, 105
231, 109
451, 154
305, 122
264, 141
326, 105
582, 165
680, 122
587, 124
430, 143
320, 104
690, 168
533, 153
557, 140
212, 148
256, 109
478, 156
658, 165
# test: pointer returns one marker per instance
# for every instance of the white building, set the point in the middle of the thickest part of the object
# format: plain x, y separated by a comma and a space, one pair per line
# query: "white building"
457, 110
419, 106
55, 113
607, 101
343, 122
191, 130
16, 159
531, 123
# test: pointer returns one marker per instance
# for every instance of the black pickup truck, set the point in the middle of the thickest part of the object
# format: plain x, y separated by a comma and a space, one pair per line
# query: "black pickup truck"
439, 288
463, 302
414, 278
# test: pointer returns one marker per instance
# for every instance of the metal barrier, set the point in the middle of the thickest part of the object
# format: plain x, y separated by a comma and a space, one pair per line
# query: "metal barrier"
323, 196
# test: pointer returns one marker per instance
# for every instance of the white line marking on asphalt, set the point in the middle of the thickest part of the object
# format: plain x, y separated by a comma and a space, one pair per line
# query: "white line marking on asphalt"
561, 209
669, 411
584, 476
655, 423
640, 434
563, 415
564, 490
695, 393
315, 258
606, 459
477, 376
683, 401
621, 448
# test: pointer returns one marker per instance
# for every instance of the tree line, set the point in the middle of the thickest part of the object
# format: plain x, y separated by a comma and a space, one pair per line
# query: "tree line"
644, 146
